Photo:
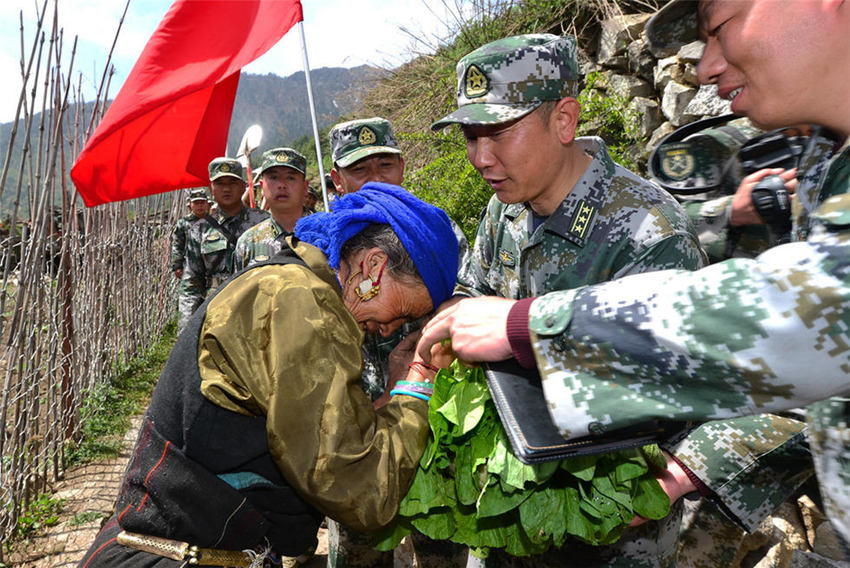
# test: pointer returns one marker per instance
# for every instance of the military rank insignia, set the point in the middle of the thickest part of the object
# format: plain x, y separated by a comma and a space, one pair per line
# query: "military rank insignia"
581, 219
366, 136
506, 258
476, 84
677, 161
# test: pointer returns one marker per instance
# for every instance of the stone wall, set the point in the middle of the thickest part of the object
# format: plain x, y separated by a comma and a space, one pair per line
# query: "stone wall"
660, 85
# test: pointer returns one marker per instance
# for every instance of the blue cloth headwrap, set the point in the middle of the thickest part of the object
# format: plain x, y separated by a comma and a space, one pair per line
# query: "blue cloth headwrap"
424, 231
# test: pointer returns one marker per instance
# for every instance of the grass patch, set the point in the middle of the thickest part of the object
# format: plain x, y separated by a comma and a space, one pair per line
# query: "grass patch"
106, 410
41, 512
86, 517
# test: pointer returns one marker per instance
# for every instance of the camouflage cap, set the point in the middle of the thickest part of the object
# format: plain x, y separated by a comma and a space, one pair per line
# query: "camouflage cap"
314, 191
226, 167
674, 25
508, 78
284, 157
704, 160
198, 194
356, 139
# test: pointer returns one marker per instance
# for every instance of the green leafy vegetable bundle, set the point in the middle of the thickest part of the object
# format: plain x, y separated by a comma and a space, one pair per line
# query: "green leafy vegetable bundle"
471, 489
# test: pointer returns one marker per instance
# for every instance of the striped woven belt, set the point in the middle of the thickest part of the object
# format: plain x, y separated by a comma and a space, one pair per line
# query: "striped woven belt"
185, 552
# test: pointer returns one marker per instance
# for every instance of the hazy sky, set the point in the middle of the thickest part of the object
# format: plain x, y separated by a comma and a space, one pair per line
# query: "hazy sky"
339, 33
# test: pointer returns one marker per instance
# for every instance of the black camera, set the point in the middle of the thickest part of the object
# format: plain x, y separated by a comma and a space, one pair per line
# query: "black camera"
773, 205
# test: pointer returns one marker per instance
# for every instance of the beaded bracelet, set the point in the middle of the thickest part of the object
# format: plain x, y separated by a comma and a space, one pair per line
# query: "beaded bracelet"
421, 388
426, 384
424, 397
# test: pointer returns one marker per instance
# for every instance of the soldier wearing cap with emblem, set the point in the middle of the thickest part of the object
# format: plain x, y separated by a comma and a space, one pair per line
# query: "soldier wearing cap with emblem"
199, 206
364, 150
741, 336
563, 215
712, 167
284, 186
211, 241
311, 199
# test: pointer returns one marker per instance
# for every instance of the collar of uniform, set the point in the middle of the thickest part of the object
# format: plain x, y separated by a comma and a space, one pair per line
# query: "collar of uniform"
513, 210
573, 219
277, 228
223, 218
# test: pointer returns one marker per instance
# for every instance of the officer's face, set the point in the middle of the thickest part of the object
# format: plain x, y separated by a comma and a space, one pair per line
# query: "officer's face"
385, 168
517, 159
199, 207
397, 302
764, 54
227, 191
284, 189
310, 201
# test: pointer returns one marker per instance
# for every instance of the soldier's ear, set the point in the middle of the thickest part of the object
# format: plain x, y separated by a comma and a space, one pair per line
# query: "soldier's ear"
335, 177
564, 119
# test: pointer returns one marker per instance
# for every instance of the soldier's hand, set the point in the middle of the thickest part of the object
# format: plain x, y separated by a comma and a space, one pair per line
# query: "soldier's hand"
743, 211
477, 328
675, 483
178, 274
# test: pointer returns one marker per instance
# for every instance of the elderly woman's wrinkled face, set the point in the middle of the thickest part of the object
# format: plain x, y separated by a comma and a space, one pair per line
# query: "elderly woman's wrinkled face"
398, 301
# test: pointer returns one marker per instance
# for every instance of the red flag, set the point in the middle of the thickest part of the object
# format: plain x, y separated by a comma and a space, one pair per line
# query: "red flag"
171, 117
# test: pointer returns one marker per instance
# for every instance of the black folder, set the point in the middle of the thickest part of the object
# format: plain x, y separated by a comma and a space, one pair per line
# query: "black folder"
518, 395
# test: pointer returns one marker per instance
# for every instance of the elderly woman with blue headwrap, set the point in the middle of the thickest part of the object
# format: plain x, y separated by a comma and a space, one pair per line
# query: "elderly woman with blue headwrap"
258, 426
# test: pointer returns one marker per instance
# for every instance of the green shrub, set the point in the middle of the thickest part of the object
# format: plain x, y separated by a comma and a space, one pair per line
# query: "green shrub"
452, 184
608, 116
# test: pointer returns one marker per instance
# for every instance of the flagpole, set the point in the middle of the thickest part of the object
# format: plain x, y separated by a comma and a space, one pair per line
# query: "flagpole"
313, 115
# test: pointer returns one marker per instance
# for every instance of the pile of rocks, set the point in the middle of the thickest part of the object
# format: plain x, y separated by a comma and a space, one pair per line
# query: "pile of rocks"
660, 84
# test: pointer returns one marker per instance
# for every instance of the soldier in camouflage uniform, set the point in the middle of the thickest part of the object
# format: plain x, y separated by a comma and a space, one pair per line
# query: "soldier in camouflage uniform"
702, 167
706, 174
545, 230
211, 241
284, 186
199, 206
739, 337
312, 199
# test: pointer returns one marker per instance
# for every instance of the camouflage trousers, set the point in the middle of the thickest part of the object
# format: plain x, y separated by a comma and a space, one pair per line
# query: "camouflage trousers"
348, 548
186, 306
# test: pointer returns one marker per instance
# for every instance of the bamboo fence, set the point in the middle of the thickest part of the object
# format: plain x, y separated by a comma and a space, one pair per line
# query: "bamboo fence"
83, 290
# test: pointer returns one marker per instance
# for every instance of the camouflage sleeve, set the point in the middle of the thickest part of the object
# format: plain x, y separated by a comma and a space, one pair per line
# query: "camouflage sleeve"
678, 250
720, 241
472, 274
751, 464
462, 244
699, 345
178, 245
240, 254
194, 281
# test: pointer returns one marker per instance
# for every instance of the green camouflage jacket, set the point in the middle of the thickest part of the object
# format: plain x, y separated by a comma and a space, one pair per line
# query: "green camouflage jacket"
737, 338
258, 243
209, 252
611, 224
634, 227
178, 240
